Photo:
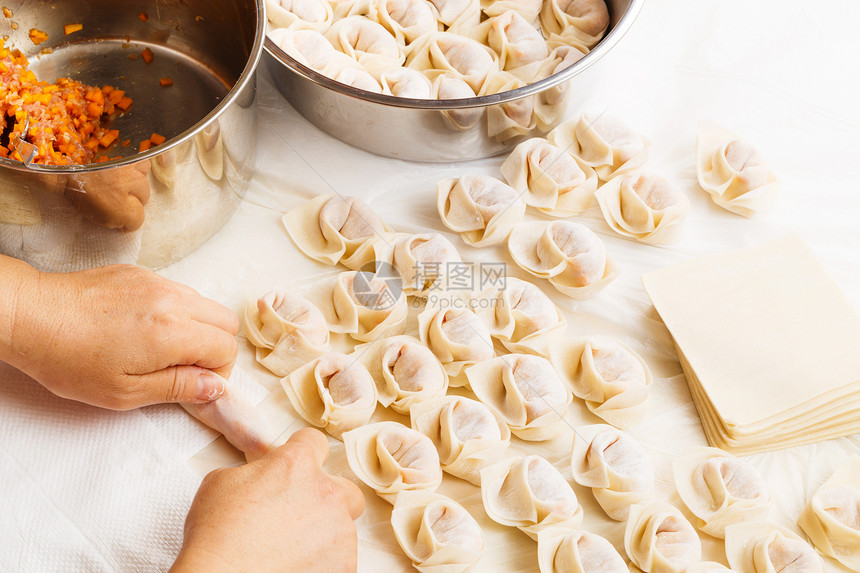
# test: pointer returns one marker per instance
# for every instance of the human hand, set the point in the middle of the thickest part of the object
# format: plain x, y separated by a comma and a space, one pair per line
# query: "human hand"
279, 513
113, 198
121, 337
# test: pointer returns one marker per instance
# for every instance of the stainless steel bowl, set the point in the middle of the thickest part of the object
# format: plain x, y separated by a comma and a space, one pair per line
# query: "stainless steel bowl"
67, 218
435, 130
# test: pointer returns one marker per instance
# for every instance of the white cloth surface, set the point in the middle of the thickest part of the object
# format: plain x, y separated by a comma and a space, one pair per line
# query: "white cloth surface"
780, 72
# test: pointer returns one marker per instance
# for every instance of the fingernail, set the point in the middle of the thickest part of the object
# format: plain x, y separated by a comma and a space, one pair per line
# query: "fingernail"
210, 386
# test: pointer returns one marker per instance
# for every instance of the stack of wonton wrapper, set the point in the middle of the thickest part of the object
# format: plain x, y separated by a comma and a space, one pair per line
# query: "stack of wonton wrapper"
769, 344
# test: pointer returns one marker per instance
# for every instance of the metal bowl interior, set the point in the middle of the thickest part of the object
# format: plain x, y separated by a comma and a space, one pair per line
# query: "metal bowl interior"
622, 13
210, 50
443, 130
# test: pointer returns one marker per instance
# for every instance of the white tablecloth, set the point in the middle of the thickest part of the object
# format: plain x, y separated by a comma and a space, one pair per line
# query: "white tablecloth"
783, 73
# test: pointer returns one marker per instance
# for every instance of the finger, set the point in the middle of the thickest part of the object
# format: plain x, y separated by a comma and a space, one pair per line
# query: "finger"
202, 345
186, 384
314, 440
354, 497
211, 312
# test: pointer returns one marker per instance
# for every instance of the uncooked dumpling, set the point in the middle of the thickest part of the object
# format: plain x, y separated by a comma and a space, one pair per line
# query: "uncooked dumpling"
406, 83
520, 46
464, 14
733, 172
452, 86
369, 43
456, 336
551, 103
759, 547
512, 119
407, 20
436, 532
287, 330
479, 207
209, 144
561, 550
446, 52
422, 261
551, 180
611, 378
299, 14
525, 392
331, 228
831, 519
614, 466
720, 489
569, 254
366, 306
391, 458
658, 539
530, 494
528, 9
467, 435
643, 207
359, 79
334, 392
581, 23
603, 142
405, 371
521, 316
311, 49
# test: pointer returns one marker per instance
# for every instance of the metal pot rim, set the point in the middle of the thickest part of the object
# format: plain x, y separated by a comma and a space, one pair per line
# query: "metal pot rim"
602, 48
234, 93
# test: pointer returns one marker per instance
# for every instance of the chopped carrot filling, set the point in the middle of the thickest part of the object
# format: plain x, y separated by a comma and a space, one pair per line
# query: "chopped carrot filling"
72, 28
66, 118
143, 17
165, 82
147, 55
157, 139
37, 36
7, 12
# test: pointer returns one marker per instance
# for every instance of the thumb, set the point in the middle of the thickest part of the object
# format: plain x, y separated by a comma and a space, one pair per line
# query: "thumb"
185, 384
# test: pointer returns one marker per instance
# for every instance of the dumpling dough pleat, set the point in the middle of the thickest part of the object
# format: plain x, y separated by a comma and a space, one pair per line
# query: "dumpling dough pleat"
528, 9
334, 392
467, 435
436, 532
422, 262
407, 20
407, 83
405, 371
603, 142
551, 103
564, 551
720, 489
614, 466
611, 379
525, 392
658, 539
479, 207
299, 14
452, 86
733, 172
366, 306
331, 229
287, 330
551, 180
580, 23
520, 46
831, 519
521, 317
456, 336
369, 43
446, 52
391, 458
643, 207
462, 14
569, 254
359, 79
509, 120
529, 494
759, 547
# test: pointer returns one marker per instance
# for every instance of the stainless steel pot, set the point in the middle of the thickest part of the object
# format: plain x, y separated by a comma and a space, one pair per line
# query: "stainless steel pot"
438, 130
183, 191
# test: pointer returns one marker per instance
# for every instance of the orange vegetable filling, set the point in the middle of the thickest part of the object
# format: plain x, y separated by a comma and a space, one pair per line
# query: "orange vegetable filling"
165, 82
72, 28
66, 118
37, 36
